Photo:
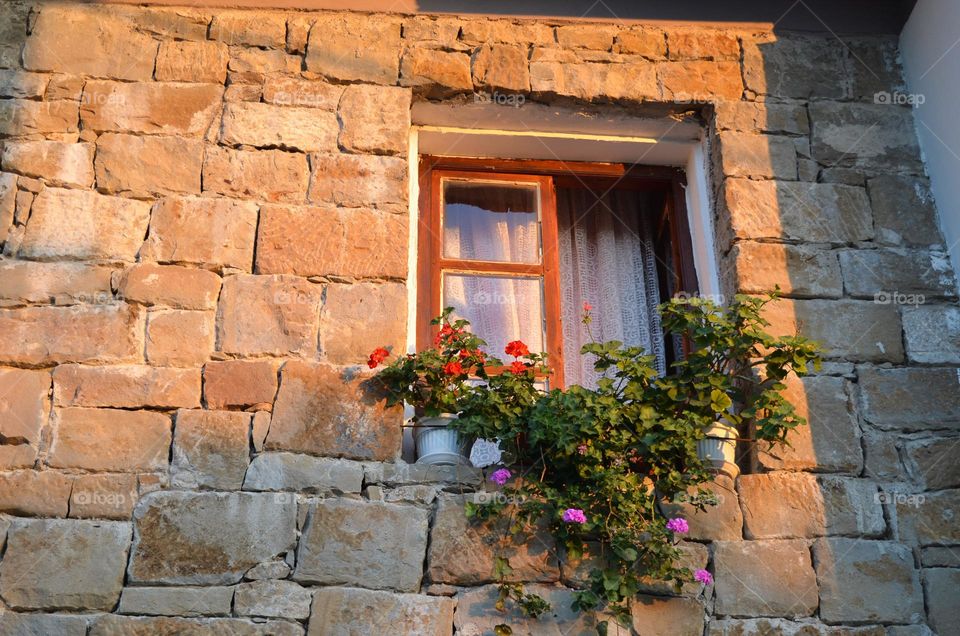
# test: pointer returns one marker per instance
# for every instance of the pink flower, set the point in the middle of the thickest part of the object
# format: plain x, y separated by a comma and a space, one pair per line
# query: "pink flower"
678, 526
574, 515
582, 449
587, 306
500, 477
703, 577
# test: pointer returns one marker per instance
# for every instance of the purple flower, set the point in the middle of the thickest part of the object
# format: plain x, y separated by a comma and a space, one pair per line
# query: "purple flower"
678, 526
703, 576
500, 477
574, 515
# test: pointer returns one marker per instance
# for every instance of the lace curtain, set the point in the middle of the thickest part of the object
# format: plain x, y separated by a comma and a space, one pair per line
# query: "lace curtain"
607, 259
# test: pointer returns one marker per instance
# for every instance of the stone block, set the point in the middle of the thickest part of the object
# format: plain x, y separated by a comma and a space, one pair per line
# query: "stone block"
20, 85
801, 211
932, 334
88, 41
873, 136
462, 553
64, 564
699, 81
8, 203
442, 31
57, 163
888, 398
659, 615
287, 127
359, 181
291, 91
34, 624
933, 463
76, 224
781, 627
273, 315
752, 155
884, 274
103, 496
374, 119
268, 570
434, 72
797, 270
34, 493
112, 625
148, 165
189, 538
722, 518
108, 439
353, 47
310, 241
24, 405
211, 449
795, 66
21, 117
44, 335
643, 41
354, 316
268, 175
501, 67
17, 456
940, 557
176, 601
390, 556
179, 338
703, 44
764, 117
239, 383
156, 108
126, 386
587, 81
183, 61
867, 581
261, 29
904, 210
322, 410
764, 578
508, 31
273, 599
303, 473
854, 330
170, 286
784, 505
339, 610
929, 518
208, 232
476, 613
598, 37
403, 474
941, 586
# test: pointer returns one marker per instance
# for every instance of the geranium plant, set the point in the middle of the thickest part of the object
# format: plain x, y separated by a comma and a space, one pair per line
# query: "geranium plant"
592, 465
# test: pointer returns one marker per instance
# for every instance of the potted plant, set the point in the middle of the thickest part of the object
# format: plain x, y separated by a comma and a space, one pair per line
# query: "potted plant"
598, 467
457, 380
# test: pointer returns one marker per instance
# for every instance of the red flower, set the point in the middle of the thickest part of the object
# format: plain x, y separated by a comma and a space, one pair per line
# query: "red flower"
517, 349
518, 368
453, 368
379, 355
476, 353
587, 306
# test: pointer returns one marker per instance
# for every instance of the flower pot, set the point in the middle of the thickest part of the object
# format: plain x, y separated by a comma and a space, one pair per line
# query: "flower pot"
719, 448
437, 443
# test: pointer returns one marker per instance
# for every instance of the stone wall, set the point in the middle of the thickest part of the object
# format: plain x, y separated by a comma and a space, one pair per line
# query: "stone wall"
204, 218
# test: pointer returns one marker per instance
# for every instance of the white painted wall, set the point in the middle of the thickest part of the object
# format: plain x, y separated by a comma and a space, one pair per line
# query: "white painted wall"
930, 45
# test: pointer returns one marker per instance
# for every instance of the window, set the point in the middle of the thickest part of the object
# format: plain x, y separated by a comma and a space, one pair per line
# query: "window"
517, 247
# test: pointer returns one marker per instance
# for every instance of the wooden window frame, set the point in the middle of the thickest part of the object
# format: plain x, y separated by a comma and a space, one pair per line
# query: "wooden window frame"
547, 175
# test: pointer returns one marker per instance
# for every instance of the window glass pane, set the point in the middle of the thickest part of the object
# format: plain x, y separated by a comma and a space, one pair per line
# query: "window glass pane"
495, 222
500, 308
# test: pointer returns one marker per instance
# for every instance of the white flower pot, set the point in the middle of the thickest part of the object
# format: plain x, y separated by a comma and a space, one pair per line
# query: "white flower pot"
719, 448
437, 443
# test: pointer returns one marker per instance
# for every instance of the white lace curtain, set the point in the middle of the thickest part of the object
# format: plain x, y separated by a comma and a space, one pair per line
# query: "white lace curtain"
607, 259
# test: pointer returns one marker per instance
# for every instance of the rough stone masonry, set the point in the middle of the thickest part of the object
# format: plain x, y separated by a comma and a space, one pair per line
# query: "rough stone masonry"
203, 218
